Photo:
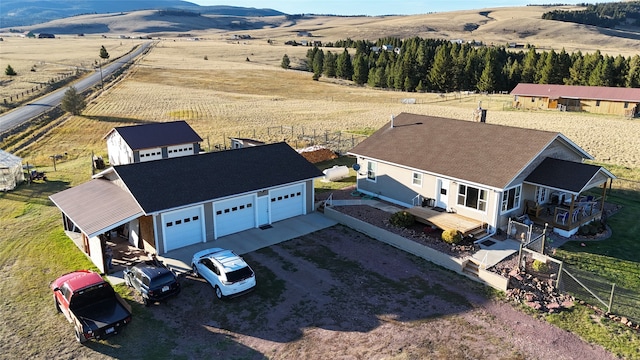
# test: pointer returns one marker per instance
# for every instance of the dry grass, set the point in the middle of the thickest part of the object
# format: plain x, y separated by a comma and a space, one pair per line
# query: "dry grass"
51, 58
229, 96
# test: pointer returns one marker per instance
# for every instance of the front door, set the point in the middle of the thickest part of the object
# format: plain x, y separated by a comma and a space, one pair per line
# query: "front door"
442, 194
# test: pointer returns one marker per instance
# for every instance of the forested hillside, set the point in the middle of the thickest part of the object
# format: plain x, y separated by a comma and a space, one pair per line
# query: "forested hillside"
418, 64
604, 15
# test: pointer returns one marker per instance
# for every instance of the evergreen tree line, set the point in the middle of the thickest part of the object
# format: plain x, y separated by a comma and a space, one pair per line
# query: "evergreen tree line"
605, 14
444, 66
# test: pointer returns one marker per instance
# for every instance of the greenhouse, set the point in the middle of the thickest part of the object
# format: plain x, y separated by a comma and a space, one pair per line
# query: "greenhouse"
11, 173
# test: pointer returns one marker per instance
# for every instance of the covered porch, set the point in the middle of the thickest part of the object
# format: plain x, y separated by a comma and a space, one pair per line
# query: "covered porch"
566, 195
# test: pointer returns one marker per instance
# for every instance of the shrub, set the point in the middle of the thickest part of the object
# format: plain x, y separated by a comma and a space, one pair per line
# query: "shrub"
540, 266
402, 219
9, 71
452, 236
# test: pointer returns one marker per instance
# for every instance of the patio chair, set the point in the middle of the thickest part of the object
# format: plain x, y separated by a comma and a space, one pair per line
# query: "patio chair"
562, 217
574, 215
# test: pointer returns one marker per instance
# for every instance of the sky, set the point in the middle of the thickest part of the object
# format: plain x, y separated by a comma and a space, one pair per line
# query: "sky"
379, 7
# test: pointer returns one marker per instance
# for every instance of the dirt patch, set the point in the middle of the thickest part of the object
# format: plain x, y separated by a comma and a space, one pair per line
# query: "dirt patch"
339, 294
318, 154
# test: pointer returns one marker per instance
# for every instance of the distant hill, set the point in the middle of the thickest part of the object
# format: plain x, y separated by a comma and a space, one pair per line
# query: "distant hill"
15, 13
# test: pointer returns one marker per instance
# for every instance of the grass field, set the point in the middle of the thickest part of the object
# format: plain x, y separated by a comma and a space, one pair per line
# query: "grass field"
229, 96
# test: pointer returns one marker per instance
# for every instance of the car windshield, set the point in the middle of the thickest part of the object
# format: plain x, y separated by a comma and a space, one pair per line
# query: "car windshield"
163, 279
240, 274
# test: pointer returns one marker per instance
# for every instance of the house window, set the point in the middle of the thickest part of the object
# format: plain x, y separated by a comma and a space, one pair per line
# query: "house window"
371, 171
626, 104
417, 179
511, 198
597, 102
472, 197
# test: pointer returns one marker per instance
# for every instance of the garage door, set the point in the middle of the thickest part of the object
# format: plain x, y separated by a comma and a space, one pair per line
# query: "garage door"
287, 202
234, 215
182, 228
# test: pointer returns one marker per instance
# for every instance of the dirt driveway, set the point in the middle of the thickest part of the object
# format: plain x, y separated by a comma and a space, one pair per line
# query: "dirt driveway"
337, 294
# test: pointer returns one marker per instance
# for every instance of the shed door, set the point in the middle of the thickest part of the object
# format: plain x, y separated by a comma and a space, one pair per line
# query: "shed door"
234, 215
287, 202
182, 228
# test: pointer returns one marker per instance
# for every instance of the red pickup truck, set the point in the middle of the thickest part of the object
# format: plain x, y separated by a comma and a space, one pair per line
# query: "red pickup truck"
90, 304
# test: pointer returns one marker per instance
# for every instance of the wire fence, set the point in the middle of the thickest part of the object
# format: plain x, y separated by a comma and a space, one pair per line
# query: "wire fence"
297, 137
604, 294
582, 284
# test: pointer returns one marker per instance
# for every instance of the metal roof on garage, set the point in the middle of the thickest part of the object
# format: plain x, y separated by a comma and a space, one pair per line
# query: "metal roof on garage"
151, 135
97, 206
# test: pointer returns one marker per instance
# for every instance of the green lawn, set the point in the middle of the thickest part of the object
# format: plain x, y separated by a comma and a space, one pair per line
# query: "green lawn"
600, 264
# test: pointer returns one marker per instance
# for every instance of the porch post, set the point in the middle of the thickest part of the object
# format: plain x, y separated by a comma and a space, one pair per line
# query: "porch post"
604, 195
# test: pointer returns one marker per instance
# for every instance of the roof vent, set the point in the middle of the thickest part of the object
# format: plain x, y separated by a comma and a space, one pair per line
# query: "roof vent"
392, 117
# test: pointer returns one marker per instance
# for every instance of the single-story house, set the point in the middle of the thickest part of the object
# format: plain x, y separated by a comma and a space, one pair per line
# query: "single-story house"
474, 175
11, 173
168, 204
151, 141
593, 99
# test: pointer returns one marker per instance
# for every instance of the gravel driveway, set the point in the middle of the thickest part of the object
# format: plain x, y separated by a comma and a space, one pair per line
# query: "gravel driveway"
337, 294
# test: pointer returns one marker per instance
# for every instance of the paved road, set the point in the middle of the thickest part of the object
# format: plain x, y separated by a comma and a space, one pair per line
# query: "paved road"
31, 110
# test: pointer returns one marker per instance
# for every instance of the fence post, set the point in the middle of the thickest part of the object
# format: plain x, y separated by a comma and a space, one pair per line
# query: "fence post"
559, 276
613, 287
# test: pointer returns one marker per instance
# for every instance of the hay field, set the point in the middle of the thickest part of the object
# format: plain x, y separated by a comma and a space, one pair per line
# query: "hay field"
51, 58
228, 96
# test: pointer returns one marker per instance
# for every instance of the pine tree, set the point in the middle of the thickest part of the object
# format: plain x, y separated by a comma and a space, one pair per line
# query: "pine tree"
529, 66
104, 55
360, 69
329, 65
318, 63
9, 71
487, 81
344, 68
633, 76
73, 102
440, 72
286, 63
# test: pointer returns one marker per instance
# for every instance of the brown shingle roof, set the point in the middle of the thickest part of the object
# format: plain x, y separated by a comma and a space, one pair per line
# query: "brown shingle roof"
577, 92
482, 153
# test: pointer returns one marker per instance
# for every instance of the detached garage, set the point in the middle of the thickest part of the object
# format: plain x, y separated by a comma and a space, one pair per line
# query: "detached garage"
200, 198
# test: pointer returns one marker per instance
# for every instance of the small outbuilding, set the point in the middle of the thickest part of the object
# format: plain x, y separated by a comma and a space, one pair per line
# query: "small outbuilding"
11, 173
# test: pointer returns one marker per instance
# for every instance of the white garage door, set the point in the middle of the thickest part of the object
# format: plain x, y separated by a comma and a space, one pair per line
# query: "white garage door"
150, 154
182, 228
287, 202
179, 150
234, 215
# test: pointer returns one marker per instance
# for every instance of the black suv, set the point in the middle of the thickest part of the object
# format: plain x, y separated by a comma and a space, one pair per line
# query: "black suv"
153, 280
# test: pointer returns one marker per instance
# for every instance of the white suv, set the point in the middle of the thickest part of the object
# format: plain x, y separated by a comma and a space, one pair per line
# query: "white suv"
227, 272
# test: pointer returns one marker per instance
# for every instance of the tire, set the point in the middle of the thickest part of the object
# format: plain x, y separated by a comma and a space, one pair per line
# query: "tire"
57, 304
146, 301
80, 337
219, 293
195, 270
